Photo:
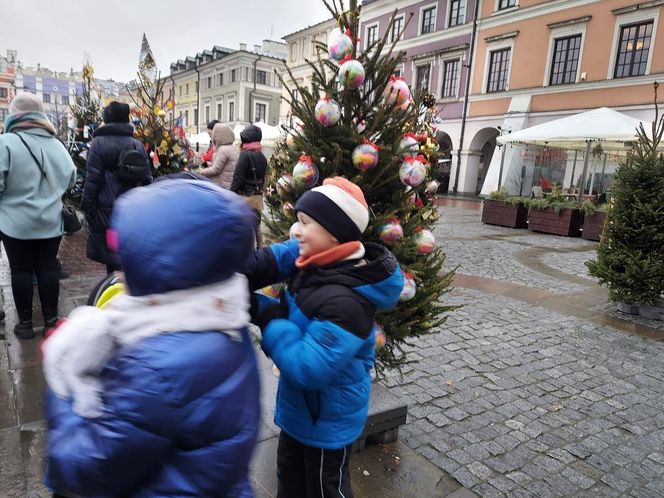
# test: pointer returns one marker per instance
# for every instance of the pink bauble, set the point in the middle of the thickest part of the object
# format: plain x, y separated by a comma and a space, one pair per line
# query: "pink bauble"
408, 146
397, 92
339, 44
391, 232
328, 112
413, 172
365, 156
351, 74
409, 288
305, 173
424, 241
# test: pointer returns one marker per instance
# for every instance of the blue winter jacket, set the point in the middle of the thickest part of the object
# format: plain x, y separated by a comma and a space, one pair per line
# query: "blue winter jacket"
325, 349
181, 410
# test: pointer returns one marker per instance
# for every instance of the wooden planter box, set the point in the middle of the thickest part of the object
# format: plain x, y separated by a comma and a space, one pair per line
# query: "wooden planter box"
592, 225
567, 223
503, 214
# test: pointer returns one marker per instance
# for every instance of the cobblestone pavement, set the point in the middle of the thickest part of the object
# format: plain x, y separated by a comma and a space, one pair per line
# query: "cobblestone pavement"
515, 399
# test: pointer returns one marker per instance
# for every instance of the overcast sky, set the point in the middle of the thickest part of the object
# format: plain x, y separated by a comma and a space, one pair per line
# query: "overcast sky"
58, 33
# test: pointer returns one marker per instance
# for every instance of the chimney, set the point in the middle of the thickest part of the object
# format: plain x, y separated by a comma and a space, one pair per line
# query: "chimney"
243, 46
257, 49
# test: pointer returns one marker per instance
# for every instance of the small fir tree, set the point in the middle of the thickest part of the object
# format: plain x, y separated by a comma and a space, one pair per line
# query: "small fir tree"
359, 121
162, 137
630, 256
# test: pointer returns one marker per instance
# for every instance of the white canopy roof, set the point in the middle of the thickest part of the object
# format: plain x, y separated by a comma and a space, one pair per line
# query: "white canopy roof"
604, 125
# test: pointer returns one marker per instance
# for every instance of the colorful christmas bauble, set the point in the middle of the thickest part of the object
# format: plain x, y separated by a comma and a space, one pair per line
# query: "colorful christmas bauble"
135, 121
293, 229
327, 112
432, 187
305, 173
351, 74
390, 232
409, 288
339, 44
409, 145
365, 156
397, 91
381, 338
290, 140
284, 184
424, 241
413, 171
287, 209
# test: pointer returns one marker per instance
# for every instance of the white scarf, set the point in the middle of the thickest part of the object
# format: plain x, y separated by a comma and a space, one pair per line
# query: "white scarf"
78, 351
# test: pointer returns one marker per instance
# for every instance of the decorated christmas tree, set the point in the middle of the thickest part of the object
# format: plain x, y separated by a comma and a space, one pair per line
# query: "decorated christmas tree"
630, 256
85, 108
163, 137
360, 121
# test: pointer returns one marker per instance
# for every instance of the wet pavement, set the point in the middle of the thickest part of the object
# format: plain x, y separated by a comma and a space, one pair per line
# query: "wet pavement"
536, 387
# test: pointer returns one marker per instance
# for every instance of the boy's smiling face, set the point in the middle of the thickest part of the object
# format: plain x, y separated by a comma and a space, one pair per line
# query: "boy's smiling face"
311, 235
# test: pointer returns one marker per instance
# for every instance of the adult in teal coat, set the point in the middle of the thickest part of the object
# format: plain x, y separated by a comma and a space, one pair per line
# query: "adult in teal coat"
31, 190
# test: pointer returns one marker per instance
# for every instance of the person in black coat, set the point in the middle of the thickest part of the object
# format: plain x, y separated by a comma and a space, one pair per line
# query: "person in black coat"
102, 186
249, 174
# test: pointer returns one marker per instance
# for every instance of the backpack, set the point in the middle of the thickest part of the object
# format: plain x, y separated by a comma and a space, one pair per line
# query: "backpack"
132, 167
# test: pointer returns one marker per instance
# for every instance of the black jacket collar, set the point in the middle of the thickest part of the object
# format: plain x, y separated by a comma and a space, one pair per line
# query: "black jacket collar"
115, 129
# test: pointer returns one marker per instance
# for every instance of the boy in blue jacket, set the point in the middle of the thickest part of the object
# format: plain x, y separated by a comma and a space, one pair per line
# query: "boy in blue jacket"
322, 335
157, 394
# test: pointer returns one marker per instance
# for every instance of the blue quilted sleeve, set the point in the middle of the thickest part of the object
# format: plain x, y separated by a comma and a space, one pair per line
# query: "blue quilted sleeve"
272, 264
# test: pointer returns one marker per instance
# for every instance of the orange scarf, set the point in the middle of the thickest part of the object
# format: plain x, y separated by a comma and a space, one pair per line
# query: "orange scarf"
338, 253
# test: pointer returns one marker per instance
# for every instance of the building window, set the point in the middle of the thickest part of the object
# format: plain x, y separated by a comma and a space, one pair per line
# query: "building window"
64, 99
457, 12
261, 77
180, 90
186, 89
186, 117
3, 93
293, 52
209, 81
296, 95
3, 115
195, 117
219, 107
506, 4
429, 20
422, 77
207, 113
565, 60
397, 28
633, 50
231, 111
450, 78
372, 35
47, 98
499, 63
261, 113
220, 79
233, 75
246, 74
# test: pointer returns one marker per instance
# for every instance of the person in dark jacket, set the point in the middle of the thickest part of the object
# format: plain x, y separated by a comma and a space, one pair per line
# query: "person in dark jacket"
321, 335
102, 186
249, 173
157, 394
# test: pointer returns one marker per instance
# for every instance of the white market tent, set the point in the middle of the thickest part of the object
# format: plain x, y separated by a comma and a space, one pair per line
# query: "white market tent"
615, 131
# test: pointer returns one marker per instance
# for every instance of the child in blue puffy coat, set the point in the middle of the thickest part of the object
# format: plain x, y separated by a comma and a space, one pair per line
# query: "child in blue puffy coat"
157, 394
321, 335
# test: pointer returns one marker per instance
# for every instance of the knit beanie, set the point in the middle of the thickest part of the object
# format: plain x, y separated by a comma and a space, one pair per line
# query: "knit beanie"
25, 102
338, 206
116, 112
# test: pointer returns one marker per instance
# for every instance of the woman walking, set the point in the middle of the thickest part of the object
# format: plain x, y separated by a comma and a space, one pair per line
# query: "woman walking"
250, 174
35, 171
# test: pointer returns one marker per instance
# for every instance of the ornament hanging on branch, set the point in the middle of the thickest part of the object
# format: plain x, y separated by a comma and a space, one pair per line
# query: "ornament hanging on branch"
391, 232
409, 287
360, 125
288, 209
432, 187
351, 73
305, 173
339, 44
409, 145
365, 156
424, 241
381, 338
413, 170
328, 112
397, 91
